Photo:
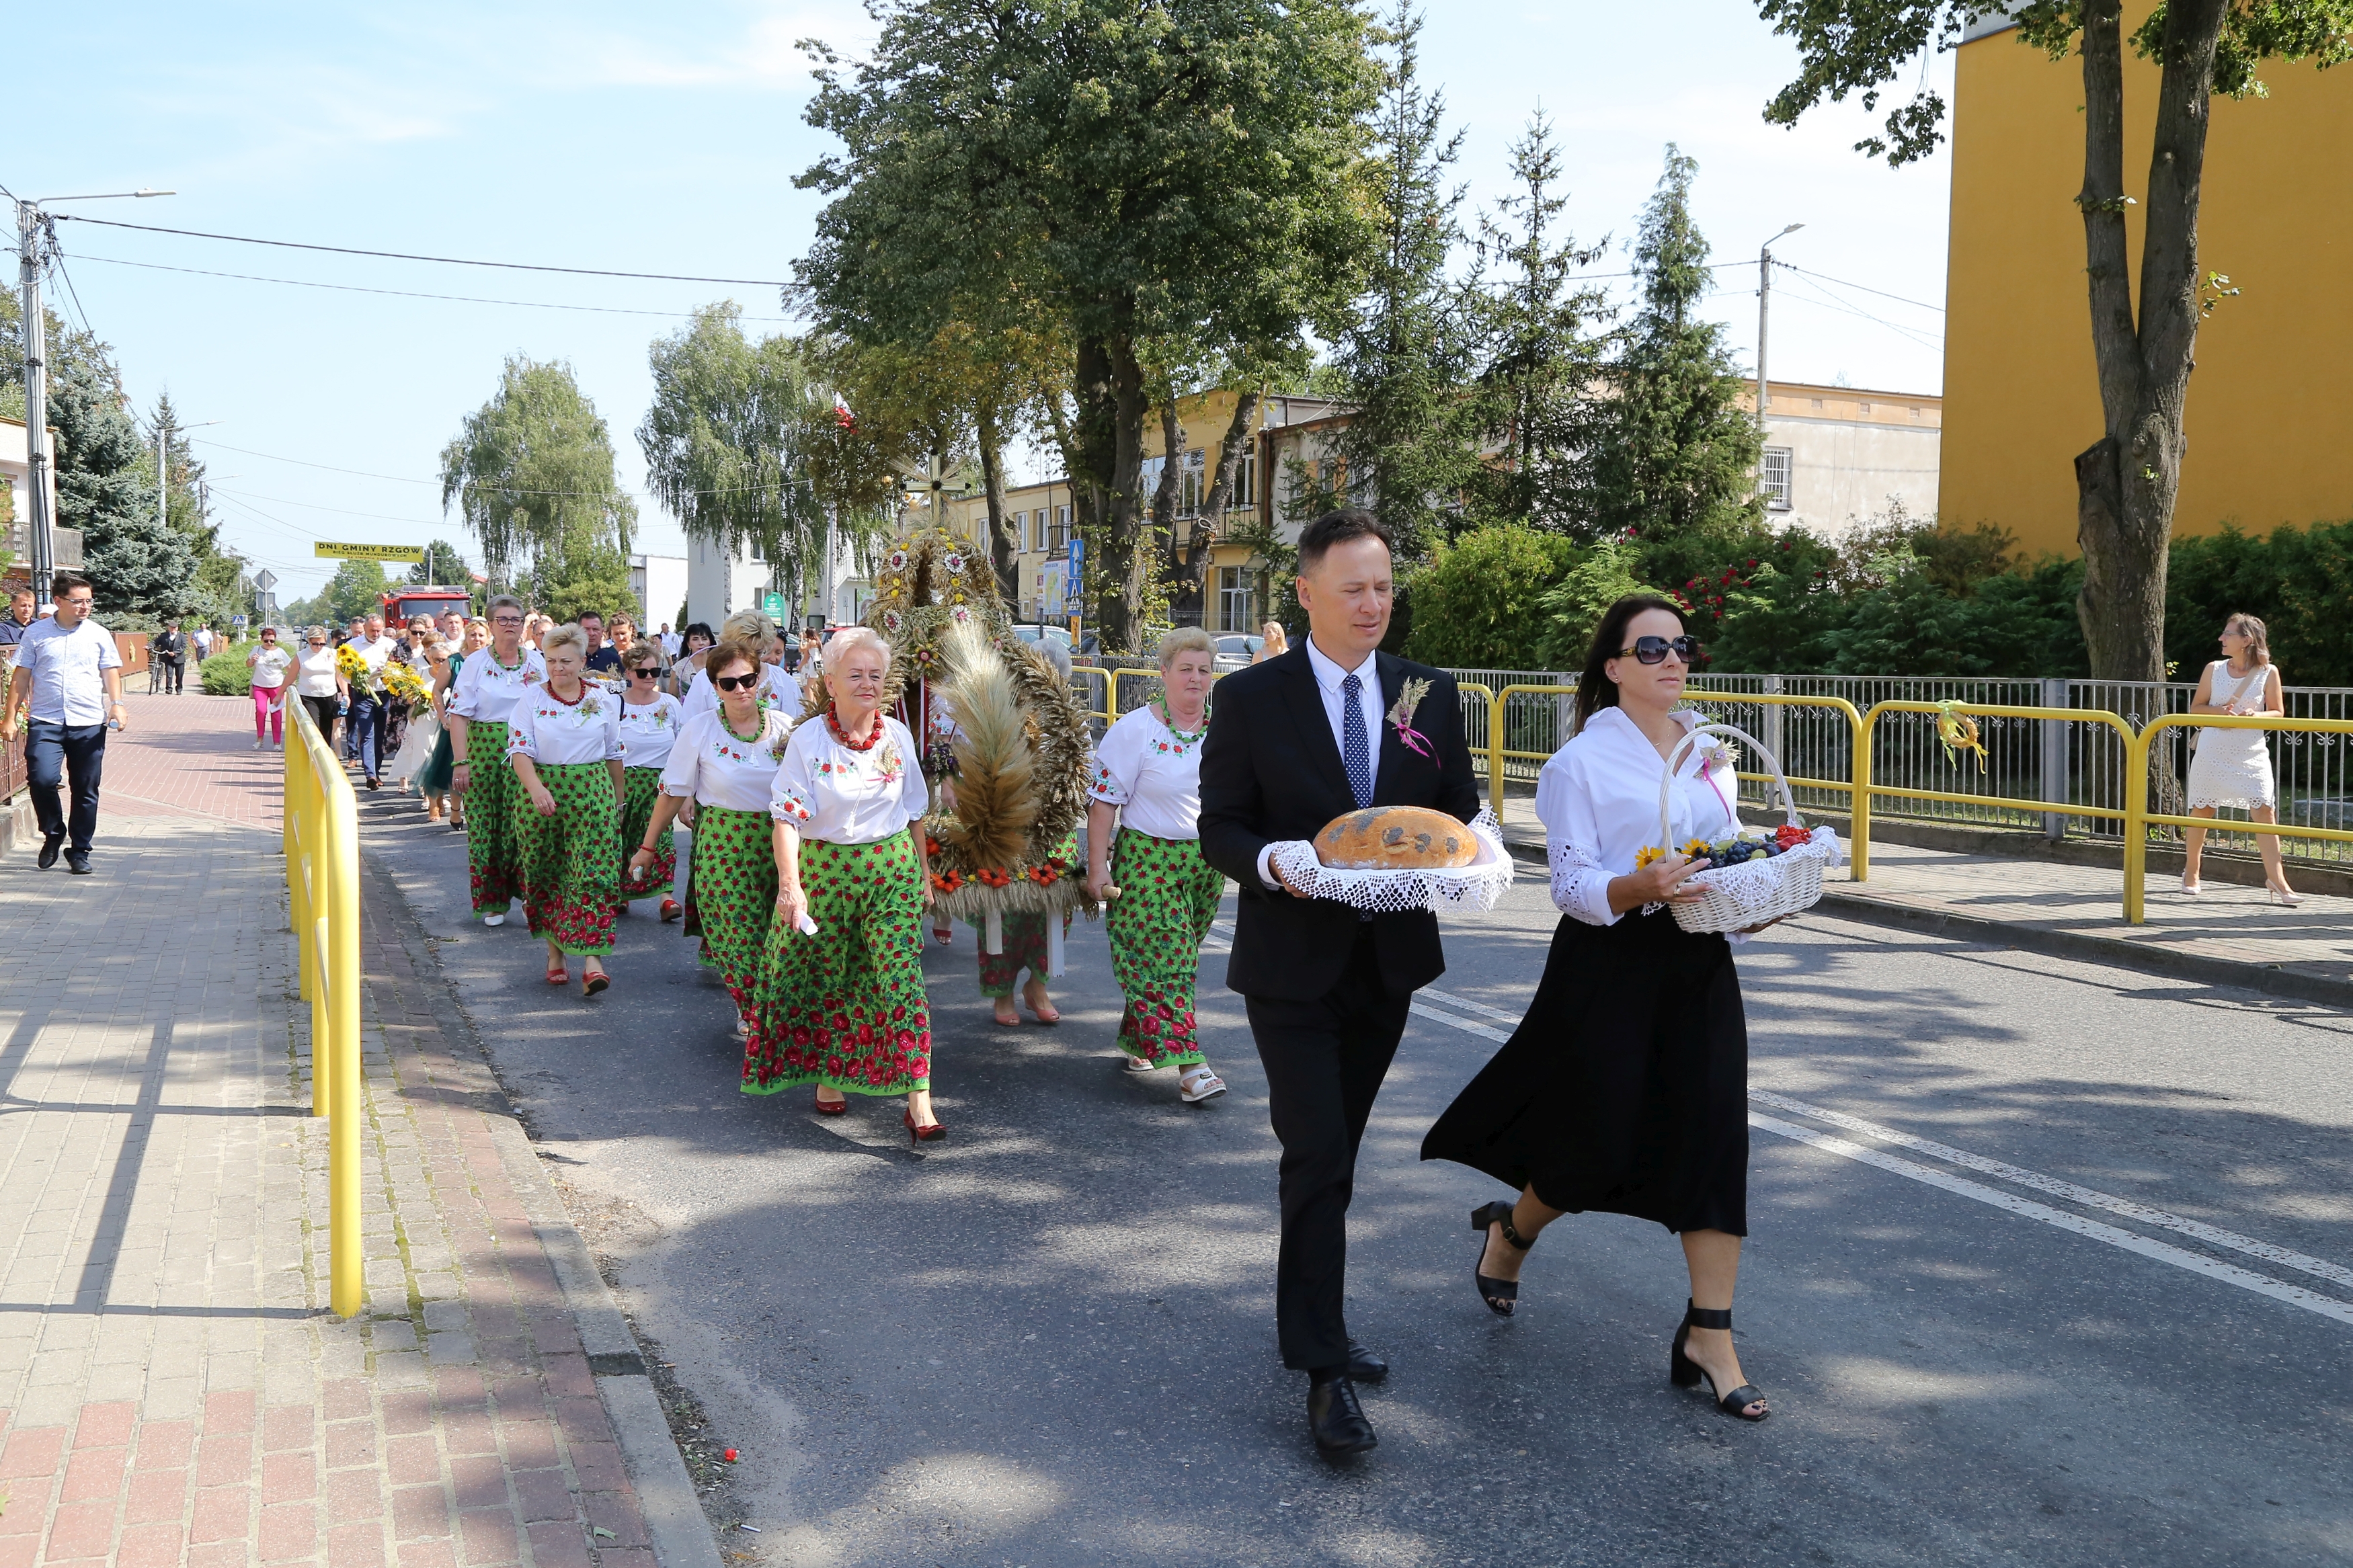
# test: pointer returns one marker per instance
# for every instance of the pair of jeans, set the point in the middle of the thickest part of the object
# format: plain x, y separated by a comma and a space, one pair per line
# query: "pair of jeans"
366, 730
51, 753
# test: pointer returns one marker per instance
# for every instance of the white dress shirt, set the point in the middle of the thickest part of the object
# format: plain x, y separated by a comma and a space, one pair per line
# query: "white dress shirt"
649, 730
68, 686
712, 764
1328, 678
1598, 800
376, 651
488, 690
1150, 772
546, 729
837, 796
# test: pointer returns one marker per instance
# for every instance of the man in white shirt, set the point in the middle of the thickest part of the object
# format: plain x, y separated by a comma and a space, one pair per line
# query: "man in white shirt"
68, 681
670, 641
368, 705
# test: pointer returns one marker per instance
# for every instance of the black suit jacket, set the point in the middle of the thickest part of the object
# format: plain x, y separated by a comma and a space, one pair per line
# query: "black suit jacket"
1271, 771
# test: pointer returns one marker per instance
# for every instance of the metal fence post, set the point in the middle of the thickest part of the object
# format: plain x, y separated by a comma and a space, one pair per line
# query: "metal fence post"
2056, 784
1773, 724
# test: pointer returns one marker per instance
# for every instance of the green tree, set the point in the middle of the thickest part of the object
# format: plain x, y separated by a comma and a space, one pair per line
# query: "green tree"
1412, 342
106, 488
443, 567
531, 474
1477, 603
2128, 479
1532, 400
357, 588
1598, 576
1180, 170
1672, 453
217, 587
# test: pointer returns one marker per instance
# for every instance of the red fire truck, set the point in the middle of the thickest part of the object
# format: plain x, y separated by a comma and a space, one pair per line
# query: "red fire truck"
424, 599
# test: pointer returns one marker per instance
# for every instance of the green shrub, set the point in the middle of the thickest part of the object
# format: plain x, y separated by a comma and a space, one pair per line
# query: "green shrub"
225, 673
1477, 603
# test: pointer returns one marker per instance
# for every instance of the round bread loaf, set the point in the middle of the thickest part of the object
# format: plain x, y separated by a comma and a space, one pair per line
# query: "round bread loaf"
1395, 838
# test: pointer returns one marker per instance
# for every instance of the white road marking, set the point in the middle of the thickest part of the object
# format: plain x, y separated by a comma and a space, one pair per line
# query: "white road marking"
2263, 1284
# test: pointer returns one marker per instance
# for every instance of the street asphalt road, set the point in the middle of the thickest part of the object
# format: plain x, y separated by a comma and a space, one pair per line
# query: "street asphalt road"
2101, 1319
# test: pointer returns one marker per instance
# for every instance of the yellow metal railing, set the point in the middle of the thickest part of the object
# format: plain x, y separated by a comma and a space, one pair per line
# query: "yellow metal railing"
1861, 829
322, 885
1497, 752
2139, 819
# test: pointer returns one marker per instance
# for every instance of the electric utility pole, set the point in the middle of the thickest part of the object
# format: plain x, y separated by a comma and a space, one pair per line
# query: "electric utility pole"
1764, 312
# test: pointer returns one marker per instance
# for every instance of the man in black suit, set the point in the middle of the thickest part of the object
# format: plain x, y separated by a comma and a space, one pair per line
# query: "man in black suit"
1295, 742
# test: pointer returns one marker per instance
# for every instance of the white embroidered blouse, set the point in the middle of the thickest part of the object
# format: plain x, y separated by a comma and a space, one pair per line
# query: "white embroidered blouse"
546, 729
778, 691
711, 764
488, 690
650, 730
1598, 800
1152, 774
837, 796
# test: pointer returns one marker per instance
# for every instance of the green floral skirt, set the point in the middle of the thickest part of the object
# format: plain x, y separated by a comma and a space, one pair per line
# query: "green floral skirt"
734, 882
494, 863
846, 1007
643, 788
569, 881
1167, 896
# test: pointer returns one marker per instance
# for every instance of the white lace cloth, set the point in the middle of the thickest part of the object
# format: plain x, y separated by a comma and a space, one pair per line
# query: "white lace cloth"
2234, 767
1476, 887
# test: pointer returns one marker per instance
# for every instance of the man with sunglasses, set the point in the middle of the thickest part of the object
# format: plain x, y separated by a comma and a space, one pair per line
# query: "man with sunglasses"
1332, 726
68, 681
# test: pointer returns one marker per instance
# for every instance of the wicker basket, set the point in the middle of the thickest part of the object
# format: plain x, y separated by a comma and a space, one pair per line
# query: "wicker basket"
1733, 898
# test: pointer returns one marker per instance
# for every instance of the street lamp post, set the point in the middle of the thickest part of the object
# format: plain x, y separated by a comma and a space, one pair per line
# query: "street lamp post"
33, 231
1764, 310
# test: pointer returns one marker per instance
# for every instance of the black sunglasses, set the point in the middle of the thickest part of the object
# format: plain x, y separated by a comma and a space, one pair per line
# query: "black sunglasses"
1654, 650
734, 682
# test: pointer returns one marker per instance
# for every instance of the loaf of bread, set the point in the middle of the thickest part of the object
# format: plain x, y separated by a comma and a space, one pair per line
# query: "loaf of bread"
1395, 838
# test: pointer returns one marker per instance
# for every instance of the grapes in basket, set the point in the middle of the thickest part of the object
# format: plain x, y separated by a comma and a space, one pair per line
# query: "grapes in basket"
1748, 844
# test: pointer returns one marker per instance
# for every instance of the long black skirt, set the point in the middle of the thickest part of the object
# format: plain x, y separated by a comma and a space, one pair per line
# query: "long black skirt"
1625, 1088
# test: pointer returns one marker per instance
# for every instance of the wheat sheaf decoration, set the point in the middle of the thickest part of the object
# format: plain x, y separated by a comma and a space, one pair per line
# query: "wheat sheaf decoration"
996, 797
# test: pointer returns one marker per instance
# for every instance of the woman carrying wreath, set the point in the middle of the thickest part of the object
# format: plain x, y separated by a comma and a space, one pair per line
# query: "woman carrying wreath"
843, 1006
1625, 1088
489, 684
563, 739
1162, 894
724, 762
651, 720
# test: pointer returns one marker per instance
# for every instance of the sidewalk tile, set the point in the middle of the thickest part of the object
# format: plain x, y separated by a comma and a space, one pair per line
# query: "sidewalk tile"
223, 1513
149, 1546
420, 1511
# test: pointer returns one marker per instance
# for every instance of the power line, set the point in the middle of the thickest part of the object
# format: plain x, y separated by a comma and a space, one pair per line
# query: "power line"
443, 260
356, 473
1865, 287
403, 293
340, 511
500, 489
1926, 339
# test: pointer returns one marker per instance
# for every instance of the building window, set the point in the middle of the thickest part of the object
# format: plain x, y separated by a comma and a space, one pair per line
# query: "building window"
1059, 540
1774, 478
1246, 477
1236, 613
1818, 403
758, 555
1192, 485
1865, 407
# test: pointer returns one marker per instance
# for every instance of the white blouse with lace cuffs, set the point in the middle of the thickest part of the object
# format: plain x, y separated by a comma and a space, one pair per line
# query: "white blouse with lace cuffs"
837, 796
1598, 800
711, 764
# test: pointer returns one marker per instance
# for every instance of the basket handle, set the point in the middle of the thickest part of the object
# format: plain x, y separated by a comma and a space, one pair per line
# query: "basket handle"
1675, 760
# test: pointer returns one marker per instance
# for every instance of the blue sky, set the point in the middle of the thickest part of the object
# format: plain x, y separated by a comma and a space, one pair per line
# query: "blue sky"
598, 135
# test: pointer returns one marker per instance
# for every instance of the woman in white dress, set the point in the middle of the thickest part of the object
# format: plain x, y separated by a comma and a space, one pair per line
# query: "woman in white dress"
2234, 767
777, 689
650, 721
489, 684
564, 742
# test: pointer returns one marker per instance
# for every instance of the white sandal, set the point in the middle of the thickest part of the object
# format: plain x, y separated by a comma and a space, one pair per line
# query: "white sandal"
1199, 1084
1137, 1064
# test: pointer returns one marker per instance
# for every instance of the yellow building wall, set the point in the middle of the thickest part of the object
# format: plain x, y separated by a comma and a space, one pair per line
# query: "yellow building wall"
2270, 418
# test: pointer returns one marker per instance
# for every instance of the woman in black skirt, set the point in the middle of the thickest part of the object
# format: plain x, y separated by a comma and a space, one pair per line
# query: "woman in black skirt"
1625, 1087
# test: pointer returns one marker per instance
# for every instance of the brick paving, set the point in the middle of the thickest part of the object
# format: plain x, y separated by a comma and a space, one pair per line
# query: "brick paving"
171, 1388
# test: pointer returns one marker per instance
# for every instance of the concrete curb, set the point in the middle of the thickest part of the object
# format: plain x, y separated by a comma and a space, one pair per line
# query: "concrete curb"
675, 1524
2165, 963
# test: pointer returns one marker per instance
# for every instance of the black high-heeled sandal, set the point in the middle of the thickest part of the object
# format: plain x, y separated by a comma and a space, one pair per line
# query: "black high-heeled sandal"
1500, 1295
1685, 1373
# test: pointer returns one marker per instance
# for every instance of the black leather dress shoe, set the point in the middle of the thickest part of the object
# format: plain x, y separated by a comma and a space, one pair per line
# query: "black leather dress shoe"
78, 864
1363, 1366
50, 848
1337, 1420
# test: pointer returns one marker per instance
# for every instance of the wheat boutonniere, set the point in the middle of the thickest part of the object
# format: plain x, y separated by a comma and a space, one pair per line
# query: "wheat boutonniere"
1401, 717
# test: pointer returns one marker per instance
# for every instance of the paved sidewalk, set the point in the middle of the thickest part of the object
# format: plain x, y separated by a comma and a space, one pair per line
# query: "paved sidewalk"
2227, 934
172, 1387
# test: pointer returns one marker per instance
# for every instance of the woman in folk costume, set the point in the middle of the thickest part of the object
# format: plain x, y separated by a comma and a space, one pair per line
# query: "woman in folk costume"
777, 689
841, 1001
1162, 894
563, 741
724, 762
489, 686
650, 720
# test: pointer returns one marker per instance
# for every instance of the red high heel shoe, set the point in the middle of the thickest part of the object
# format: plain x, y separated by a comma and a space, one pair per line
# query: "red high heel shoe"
833, 1107
936, 1132
669, 911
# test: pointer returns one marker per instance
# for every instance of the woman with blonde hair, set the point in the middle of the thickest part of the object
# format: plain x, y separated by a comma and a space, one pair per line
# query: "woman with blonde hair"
753, 629
2234, 767
724, 762
1162, 894
1272, 643
841, 1001
489, 684
563, 741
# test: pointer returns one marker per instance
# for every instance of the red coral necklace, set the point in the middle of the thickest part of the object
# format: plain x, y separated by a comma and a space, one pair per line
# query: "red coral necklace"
833, 723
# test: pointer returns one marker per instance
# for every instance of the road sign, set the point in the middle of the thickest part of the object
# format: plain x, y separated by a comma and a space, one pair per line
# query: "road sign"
266, 580
773, 607
1078, 558
370, 553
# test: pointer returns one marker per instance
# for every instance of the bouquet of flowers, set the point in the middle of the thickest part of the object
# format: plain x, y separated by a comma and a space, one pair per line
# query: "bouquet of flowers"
350, 666
405, 684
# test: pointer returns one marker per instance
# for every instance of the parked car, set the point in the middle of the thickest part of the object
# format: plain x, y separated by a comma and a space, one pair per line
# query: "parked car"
1040, 631
1235, 652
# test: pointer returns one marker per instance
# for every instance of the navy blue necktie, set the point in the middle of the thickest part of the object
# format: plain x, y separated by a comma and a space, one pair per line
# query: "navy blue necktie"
1356, 748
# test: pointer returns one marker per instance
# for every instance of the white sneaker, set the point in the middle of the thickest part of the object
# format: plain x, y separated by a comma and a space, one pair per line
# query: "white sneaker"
494, 920
260, 744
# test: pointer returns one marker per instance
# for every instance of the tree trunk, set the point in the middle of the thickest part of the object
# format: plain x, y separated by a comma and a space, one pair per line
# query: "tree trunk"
1165, 494
1004, 538
1109, 437
2128, 481
1188, 583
